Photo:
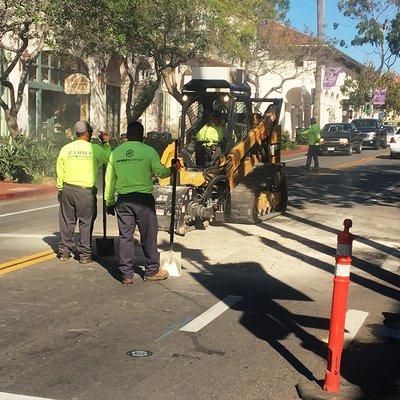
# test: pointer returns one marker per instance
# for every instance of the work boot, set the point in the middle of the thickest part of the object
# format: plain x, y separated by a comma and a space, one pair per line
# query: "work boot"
64, 256
85, 260
127, 280
306, 167
160, 275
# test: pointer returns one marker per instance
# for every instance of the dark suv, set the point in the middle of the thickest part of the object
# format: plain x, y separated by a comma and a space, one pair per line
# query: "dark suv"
340, 137
374, 133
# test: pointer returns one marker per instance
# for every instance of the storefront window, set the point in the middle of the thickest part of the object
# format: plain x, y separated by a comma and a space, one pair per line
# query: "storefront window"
51, 111
46, 69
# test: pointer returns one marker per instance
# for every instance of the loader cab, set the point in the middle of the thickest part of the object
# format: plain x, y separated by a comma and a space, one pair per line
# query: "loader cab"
204, 98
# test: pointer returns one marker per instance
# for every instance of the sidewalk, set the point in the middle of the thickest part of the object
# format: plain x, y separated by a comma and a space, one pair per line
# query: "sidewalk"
303, 148
10, 190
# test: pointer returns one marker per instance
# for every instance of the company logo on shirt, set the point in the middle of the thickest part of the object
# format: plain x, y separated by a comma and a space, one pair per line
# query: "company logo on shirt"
80, 154
129, 153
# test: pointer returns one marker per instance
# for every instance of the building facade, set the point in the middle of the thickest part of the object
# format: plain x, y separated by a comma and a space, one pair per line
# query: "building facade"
50, 108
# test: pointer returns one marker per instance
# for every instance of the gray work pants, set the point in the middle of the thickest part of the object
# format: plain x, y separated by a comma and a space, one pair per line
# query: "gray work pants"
137, 209
77, 204
313, 151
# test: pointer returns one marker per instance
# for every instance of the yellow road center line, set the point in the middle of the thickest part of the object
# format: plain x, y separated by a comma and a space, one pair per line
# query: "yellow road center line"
27, 261
354, 163
339, 167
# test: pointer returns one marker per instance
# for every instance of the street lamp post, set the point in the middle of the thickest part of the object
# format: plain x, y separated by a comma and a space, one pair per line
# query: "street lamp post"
292, 118
368, 101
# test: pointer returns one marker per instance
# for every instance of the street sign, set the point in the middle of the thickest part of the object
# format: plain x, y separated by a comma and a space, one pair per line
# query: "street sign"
77, 84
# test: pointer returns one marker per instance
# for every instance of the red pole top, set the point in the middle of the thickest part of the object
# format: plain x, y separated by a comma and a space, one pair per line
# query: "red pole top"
348, 223
345, 239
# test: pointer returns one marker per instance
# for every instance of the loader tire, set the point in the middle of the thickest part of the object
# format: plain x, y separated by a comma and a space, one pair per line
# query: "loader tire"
258, 187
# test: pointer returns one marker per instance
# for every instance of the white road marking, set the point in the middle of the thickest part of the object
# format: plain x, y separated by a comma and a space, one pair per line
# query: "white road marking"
10, 396
294, 159
27, 211
354, 321
388, 189
216, 310
173, 328
26, 235
32, 210
392, 262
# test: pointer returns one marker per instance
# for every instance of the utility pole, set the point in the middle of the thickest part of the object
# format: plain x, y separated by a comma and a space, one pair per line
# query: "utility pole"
318, 70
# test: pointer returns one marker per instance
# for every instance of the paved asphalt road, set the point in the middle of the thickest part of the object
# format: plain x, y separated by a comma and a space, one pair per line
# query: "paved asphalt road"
66, 328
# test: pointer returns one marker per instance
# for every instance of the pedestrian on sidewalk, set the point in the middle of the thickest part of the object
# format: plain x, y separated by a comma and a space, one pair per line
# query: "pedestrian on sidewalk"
129, 174
313, 136
77, 166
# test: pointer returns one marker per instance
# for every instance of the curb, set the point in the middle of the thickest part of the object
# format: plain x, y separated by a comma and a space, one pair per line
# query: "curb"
6, 194
300, 150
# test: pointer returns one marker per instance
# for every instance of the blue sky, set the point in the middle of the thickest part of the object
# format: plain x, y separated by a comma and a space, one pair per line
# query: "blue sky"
303, 16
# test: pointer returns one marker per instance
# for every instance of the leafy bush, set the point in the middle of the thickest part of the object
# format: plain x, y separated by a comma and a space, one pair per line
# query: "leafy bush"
301, 136
26, 159
286, 143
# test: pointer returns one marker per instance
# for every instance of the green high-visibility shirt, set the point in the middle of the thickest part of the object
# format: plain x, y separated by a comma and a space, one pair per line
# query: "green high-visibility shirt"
78, 162
210, 134
130, 169
314, 134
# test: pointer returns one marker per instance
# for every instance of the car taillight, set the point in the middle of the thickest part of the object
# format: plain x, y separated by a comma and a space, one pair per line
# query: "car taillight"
392, 140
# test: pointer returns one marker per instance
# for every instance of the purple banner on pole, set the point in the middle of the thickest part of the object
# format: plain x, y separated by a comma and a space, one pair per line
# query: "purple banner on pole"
330, 78
380, 96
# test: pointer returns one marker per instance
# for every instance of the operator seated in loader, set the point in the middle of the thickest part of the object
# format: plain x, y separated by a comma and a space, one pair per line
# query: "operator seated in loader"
210, 140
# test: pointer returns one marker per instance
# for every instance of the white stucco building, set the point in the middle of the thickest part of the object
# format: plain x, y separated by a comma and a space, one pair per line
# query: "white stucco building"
46, 108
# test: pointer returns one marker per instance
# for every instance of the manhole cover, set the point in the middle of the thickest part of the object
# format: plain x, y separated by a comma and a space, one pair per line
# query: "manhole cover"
139, 353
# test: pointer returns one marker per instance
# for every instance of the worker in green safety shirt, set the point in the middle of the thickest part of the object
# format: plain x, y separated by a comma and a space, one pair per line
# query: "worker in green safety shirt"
213, 132
77, 166
313, 137
210, 140
130, 172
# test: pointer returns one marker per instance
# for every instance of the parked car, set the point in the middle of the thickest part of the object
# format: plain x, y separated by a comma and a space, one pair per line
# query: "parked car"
390, 132
340, 138
373, 132
395, 145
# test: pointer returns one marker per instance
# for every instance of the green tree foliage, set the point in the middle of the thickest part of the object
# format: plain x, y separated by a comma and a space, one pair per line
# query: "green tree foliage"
26, 28
378, 24
168, 34
366, 82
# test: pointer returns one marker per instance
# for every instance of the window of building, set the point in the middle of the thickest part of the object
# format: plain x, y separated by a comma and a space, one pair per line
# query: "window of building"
299, 62
50, 110
46, 69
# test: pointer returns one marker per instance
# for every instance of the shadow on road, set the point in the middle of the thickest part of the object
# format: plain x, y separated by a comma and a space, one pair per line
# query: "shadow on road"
270, 321
318, 225
344, 188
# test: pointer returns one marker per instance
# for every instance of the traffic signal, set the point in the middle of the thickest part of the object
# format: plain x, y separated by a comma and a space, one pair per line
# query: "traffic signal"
367, 108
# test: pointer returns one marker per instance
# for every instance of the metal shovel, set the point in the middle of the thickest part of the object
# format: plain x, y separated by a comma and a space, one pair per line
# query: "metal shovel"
104, 245
171, 261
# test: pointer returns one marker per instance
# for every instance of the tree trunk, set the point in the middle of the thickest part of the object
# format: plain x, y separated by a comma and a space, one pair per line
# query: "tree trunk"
170, 83
144, 99
12, 123
131, 87
128, 107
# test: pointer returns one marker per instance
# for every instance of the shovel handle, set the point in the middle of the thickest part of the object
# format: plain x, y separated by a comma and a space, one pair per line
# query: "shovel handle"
104, 201
173, 200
